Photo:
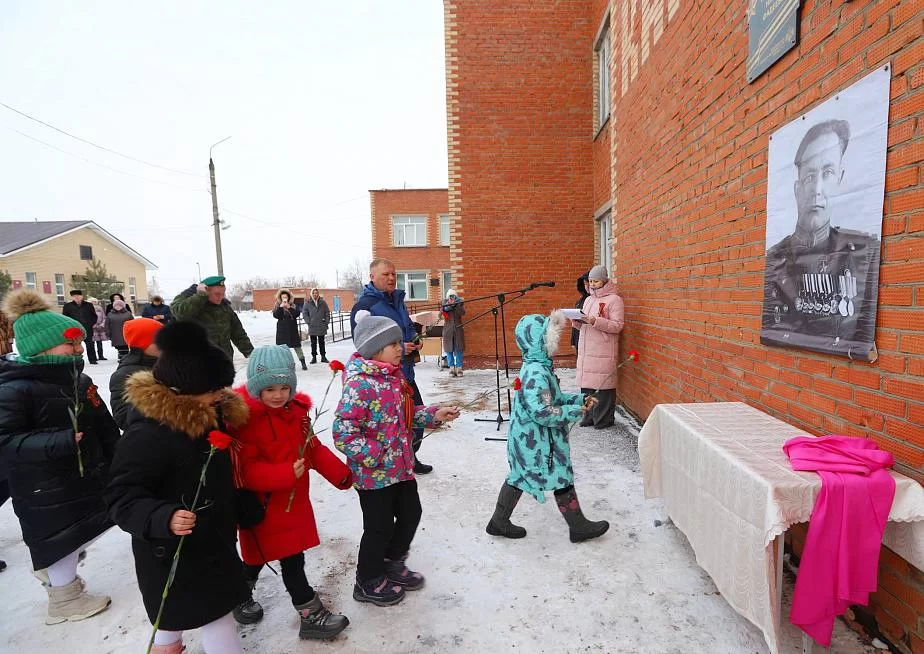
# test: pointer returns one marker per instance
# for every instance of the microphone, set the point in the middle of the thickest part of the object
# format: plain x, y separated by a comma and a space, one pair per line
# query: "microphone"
538, 284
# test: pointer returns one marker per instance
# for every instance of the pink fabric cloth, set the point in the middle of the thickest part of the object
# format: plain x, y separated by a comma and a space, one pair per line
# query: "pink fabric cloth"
840, 562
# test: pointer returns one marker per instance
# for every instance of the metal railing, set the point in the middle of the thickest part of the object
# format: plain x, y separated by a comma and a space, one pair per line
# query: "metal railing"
338, 327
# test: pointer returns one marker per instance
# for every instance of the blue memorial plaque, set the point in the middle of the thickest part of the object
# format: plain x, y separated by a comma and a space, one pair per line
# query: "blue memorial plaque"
773, 27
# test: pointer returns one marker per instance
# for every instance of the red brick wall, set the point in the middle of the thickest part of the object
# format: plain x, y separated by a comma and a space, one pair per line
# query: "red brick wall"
520, 99
265, 298
433, 258
690, 164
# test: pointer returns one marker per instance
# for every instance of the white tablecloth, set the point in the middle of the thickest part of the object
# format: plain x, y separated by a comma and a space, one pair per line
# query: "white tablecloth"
729, 487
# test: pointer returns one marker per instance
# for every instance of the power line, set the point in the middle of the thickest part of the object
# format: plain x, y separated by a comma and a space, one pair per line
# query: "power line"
96, 145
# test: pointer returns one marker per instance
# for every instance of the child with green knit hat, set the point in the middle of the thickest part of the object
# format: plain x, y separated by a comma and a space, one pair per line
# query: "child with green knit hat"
56, 473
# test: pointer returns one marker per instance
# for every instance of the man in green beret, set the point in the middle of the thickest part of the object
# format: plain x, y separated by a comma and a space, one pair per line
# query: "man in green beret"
206, 304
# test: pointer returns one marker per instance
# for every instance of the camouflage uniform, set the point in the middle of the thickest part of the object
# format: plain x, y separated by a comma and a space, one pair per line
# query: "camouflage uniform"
220, 321
821, 294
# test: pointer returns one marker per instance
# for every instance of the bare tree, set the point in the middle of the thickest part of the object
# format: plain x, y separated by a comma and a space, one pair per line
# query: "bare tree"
356, 275
153, 287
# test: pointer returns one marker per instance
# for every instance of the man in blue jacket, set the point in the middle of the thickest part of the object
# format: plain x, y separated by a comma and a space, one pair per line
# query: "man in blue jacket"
381, 298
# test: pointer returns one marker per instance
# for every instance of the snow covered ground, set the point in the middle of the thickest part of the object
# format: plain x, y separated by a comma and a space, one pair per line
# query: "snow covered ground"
636, 589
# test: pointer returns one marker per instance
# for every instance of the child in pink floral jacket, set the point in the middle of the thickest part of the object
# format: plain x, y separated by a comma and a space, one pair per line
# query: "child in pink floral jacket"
373, 429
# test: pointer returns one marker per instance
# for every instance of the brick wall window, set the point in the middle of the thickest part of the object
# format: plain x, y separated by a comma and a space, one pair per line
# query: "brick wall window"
602, 81
86, 252
409, 231
444, 230
59, 288
30, 280
131, 289
605, 234
447, 281
414, 284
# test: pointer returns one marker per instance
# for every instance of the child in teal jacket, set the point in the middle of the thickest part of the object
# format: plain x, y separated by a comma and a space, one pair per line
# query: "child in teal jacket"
538, 451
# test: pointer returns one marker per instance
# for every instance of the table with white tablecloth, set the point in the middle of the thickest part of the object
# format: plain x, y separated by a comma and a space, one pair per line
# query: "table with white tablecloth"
729, 487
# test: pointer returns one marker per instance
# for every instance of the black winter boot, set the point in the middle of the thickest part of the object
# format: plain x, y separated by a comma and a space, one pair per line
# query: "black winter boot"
314, 358
318, 623
324, 359
580, 527
249, 611
304, 365
500, 524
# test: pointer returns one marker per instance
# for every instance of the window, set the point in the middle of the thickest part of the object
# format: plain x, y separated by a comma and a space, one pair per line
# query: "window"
444, 230
30, 280
414, 284
410, 231
605, 230
602, 54
131, 289
59, 288
447, 281
86, 252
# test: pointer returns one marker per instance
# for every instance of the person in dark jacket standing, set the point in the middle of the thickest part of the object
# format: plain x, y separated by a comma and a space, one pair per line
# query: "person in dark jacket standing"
286, 316
582, 287
142, 355
453, 309
115, 322
206, 305
113, 298
381, 297
316, 315
155, 474
85, 314
157, 310
99, 328
56, 472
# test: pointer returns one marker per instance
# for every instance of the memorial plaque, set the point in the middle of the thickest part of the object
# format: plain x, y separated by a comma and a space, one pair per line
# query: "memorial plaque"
773, 27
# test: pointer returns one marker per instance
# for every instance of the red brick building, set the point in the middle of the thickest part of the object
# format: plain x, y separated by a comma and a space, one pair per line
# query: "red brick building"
265, 298
411, 228
545, 145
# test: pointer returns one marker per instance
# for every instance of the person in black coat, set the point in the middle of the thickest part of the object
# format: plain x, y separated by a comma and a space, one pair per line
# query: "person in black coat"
157, 310
154, 479
142, 355
286, 315
85, 314
582, 289
56, 473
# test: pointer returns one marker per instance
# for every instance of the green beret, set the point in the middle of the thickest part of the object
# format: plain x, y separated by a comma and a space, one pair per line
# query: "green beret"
214, 280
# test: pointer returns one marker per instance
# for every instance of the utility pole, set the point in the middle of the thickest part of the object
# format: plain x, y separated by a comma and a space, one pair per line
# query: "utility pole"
216, 223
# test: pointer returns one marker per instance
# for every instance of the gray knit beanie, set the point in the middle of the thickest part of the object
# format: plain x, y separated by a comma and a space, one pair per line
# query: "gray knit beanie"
599, 273
373, 333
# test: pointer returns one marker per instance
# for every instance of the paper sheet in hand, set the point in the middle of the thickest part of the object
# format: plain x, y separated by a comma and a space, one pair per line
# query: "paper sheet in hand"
572, 314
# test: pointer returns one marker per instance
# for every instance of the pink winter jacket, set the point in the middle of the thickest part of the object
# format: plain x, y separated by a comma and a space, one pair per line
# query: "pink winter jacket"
598, 347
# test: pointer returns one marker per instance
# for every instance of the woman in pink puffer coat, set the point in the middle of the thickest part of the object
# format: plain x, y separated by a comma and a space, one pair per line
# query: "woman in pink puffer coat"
598, 347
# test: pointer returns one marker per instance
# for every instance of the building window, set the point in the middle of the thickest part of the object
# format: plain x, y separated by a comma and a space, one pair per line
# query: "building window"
86, 252
602, 54
30, 281
605, 232
447, 281
410, 231
131, 289
444, 230
414, 284
59, 288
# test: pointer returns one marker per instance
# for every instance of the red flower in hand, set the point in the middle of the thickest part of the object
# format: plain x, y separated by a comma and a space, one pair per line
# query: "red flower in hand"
73, 333
336, 366
633, 355
219, 440
517, 384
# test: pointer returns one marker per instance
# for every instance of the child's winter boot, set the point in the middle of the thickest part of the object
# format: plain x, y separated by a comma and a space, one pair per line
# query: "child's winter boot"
380, 591
72, 603
452, 371
398, 573
249, 611
500, 524
175, 647
317, 622
580, 527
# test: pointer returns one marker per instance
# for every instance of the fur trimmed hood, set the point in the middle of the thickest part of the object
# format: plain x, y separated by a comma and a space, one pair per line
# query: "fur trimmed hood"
287, 292
538, 336
181, 413
256, 408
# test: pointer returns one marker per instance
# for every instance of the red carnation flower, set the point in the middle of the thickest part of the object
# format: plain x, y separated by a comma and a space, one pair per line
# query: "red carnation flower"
72, 333
219, 440
517, 384
633, 354
336, 366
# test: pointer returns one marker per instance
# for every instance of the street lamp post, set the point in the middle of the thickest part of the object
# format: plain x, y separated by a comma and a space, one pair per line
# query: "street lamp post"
216, 223
199, 271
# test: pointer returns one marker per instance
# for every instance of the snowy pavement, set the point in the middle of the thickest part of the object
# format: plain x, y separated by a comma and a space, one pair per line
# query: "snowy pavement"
636, 589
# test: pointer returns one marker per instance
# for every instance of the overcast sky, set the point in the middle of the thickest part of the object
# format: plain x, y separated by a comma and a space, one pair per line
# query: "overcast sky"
323, 101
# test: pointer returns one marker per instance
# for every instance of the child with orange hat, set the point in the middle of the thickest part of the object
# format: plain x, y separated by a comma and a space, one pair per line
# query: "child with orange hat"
142, 354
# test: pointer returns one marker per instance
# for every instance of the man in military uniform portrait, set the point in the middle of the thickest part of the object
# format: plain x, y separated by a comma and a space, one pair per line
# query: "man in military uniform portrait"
821, 281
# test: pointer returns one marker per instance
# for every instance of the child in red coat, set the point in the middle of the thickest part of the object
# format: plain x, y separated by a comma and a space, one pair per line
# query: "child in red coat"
271, 466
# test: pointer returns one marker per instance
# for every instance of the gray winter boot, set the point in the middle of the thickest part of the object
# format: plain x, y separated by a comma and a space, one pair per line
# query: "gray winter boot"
72, 603
249, 611
500, 524
317, 622
580, 527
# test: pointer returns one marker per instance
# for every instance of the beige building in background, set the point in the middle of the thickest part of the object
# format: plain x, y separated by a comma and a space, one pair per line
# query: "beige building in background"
45, 255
